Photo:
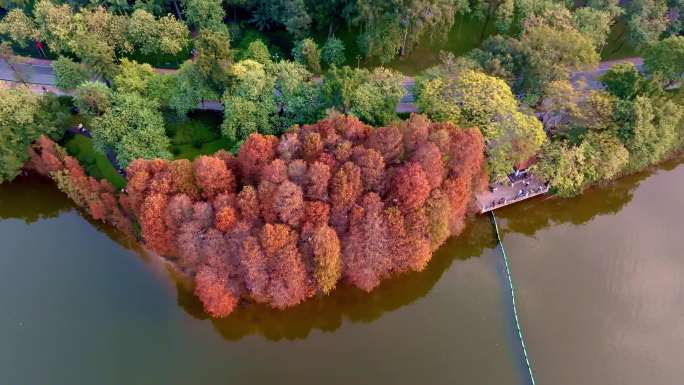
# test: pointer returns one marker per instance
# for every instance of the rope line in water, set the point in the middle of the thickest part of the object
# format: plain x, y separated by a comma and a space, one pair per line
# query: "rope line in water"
515, 310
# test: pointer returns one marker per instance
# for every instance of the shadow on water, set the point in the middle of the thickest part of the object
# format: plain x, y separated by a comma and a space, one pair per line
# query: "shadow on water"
326, 313
31, 198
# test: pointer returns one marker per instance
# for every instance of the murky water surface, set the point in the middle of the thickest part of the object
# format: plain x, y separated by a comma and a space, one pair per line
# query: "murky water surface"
600, 283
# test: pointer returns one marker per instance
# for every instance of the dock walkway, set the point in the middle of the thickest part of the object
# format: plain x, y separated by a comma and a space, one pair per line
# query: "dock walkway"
523, 187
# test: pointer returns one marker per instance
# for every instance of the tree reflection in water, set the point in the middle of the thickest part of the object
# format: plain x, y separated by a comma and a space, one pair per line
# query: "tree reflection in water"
32, 198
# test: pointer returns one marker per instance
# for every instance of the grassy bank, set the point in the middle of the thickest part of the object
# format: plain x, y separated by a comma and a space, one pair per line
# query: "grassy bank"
198, 134
95, 163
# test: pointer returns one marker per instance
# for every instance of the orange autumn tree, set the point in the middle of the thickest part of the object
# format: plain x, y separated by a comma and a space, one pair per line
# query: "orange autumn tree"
97, 197
290, 217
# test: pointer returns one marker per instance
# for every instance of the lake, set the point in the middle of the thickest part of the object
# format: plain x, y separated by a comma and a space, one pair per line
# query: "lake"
600, 294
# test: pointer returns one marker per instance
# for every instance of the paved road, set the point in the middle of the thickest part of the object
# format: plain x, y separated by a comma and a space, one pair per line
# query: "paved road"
39, 72
591, 77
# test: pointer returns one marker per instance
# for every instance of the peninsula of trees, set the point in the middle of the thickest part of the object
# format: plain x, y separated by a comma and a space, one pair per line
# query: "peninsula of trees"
267, 164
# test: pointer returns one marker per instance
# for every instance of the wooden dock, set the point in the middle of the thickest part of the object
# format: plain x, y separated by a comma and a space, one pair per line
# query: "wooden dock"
506, 194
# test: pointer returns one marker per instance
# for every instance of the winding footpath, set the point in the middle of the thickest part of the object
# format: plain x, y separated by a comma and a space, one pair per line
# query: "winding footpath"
39, 75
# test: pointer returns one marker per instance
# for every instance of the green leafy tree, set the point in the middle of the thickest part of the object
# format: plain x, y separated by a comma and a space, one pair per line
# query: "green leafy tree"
249, 104
623, 80
185, 89
204, 13
605, 156
375, 101
326, 14
68, 73
296, 95
152, 36
372, 96
551, 54
292, 14
646, 21
651, 132
593, 23
107, 27
666, 58
332, 52
257, 51
134, 77
476, 99
56, 25
19, 28
434, 100
562, 166
20, 125
213, 58
133, 127
390, 28
93, 98
307, 53
97, 55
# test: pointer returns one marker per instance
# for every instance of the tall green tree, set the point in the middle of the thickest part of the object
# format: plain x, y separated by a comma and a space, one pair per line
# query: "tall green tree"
20, 28
93, 98
68, 73
307, 53
332, 52
666, 58
186, 89
370, 95
249, 104
476, 99
153, 36
20, 124
646, 21
296, 95
133, 127
257, 51
623, 80
204, 13
292, 14
390, 28
651, 130
213, 56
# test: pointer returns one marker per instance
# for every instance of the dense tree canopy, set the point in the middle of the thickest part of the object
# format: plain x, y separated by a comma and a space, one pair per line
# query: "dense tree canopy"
666, 58
69, 74
289, 218
204, 13
476, 99
370, 95
21, 122
133, 127
390, 28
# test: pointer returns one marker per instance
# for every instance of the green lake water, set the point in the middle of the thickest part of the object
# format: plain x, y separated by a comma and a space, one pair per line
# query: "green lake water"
600, 282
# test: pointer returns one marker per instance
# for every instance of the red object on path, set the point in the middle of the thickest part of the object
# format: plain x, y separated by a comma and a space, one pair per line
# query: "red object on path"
39, 47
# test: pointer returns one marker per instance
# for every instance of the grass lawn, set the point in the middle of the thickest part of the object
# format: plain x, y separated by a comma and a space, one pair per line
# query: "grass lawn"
95, 163
466, 34
199, 134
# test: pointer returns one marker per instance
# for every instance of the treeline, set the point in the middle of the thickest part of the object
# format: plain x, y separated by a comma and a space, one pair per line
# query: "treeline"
385, 29
262, 96
528, 96
289, 218
634, 123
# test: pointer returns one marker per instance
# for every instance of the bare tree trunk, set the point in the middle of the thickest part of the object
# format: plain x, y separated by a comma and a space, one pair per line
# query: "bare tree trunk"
178, 12
403, 45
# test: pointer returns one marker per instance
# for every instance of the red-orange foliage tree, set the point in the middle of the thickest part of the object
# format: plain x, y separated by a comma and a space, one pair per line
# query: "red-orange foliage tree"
96, 197
291, 217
